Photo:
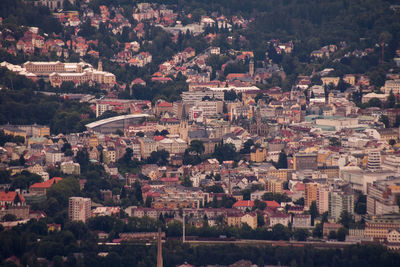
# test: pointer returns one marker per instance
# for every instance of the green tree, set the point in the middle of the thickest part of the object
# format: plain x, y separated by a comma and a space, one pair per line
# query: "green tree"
313, 211
346, 219
391, 100
301, 234
385, 120
282, 161
375, 102
186, 181
197, 146
341, 234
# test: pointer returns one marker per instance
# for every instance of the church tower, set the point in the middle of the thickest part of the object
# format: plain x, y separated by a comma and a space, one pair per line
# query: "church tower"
251, 67
100, 66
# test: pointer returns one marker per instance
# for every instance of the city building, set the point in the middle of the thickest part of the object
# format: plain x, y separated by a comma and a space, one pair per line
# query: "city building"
79, 209
305, 161
340, 201
310, 194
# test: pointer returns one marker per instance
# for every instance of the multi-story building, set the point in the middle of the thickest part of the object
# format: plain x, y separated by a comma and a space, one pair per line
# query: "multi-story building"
250, 219
305, 161
391, 86
79, 209
323, 199
53, 156
71, 168
41, 188
382, 197
274, 185
196, 96
207, 108
79, 73
378, 227
374, 160
301, 221
279, 218
310, 194
147, 146
173, 145
340, 201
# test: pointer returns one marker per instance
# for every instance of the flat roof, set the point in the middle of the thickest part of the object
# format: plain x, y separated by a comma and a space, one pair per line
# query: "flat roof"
116, 118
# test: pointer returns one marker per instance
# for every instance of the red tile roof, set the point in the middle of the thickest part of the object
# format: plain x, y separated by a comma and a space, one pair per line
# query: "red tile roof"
46, 184
10, 196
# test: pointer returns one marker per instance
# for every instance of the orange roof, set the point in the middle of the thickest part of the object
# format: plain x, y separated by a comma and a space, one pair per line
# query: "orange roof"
46, 184
272, 204
10, 196
244, 203
164, 104
250, 203
236, 75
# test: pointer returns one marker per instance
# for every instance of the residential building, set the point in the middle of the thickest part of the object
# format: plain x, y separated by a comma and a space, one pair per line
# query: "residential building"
378, 227
274, 185
340, 201
322, 199
301, 221
310, 194
71, 168
250, 219
382, 197
279, 218
79, 209
147, 146
305, 161
41, 188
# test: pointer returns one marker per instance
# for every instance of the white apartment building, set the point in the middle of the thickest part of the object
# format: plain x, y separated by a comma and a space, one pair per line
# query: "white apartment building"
338, 202
391, 85
79, 209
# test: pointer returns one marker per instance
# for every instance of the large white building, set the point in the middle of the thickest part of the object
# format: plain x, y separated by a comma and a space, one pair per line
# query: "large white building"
79, 209
391, 85
338, 202
58, 72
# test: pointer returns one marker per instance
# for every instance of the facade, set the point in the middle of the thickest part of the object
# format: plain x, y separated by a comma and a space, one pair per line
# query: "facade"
71, 168
310, 194
374, 160
283, 219
378, 227
173, 145
147, 146
250, 219
392, 86
303, 161
79, 73
382, 197
338, 202
41, 188
79, 209
274, 185
301, 221
322, 199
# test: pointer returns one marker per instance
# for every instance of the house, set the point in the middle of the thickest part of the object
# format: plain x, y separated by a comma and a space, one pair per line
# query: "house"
41, 188
301, 221
11, 198
279, 218
330, 227
250, 219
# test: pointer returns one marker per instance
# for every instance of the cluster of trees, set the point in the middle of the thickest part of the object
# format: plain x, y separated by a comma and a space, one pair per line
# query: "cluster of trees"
4, 138
27, 107
18, 12
30, 241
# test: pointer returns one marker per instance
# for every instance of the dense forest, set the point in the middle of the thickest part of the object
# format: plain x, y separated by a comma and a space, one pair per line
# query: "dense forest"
27, 107
78, 244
